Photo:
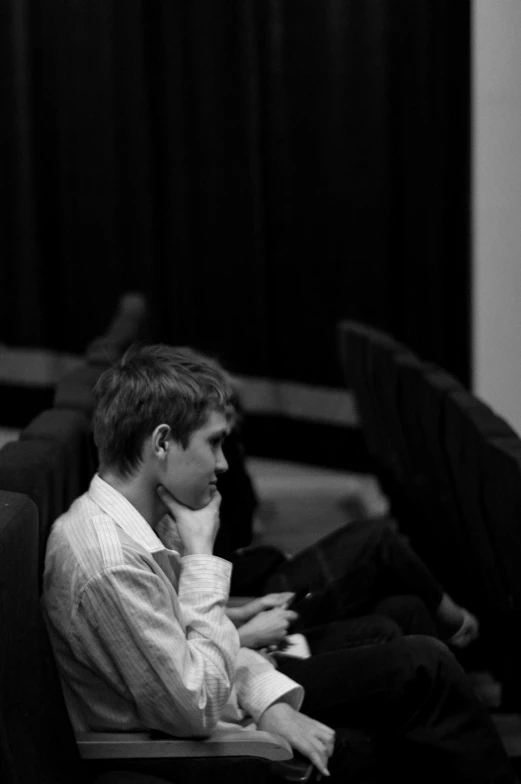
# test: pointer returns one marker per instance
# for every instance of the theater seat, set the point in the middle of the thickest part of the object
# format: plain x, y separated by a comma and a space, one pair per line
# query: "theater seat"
37, 745
72, 429
452, 470
39, 470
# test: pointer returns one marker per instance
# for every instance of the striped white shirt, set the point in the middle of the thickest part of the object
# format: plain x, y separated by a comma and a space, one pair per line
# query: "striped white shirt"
140, 632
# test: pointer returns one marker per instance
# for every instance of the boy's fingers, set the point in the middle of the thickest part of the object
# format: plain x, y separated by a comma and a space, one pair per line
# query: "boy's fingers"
215, 501
164, 495
319, 763
163, 492
328, 735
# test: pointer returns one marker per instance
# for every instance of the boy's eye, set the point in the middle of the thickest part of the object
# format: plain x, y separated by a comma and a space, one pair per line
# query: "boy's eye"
217, 441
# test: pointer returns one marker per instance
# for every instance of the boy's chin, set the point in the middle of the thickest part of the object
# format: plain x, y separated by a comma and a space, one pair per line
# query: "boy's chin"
192, 498
199, 502
202, 502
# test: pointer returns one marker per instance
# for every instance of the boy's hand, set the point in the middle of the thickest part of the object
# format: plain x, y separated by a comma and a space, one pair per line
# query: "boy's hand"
197, 527
267, 628
313, 739
267, 602
275, 600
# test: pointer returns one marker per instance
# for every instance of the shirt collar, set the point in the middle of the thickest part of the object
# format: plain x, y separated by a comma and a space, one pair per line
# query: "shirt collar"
124, 514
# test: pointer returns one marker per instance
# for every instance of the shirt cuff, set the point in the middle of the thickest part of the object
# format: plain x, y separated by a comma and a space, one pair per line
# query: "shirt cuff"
260, 686
201, 573
269, 688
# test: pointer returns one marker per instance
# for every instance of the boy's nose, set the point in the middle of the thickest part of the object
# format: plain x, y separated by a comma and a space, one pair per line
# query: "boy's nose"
222, 464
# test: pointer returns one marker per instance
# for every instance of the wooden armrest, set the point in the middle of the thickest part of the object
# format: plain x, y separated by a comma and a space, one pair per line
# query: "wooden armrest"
222, 743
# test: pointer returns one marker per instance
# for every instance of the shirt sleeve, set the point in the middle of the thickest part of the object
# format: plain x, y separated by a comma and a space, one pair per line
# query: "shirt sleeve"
259, 685
176, 663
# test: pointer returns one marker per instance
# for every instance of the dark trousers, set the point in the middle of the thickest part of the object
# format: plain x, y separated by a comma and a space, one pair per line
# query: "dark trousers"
398, 615
418, 718
366, 575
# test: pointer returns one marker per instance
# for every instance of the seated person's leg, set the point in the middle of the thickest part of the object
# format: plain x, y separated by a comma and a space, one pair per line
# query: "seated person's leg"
252, 567
351, 570
342, 565
352, 633
359, 564
415, 700
410, 613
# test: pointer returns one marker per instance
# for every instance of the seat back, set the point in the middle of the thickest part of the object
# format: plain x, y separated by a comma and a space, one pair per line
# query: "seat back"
484, 455
359, 347
453, 468
52, 463
36, 468
72, 429
36, 741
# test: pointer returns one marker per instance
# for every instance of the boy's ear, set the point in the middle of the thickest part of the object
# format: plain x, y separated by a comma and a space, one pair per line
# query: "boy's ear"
161, 439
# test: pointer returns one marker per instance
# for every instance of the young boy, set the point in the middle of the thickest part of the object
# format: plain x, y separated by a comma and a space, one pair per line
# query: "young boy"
136, 605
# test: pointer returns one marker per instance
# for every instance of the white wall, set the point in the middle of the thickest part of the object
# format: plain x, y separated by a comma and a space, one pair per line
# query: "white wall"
497, 205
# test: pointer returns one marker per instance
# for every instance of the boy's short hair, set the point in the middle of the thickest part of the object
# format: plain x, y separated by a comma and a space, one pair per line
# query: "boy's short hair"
151, 385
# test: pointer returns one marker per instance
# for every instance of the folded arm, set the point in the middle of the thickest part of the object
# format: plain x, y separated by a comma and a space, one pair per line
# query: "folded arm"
263, 621
178, 673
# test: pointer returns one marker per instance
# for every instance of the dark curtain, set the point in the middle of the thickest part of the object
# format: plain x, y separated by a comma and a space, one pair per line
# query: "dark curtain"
260, 168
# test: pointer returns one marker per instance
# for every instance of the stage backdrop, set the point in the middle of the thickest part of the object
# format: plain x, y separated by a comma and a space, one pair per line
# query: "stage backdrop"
260, 168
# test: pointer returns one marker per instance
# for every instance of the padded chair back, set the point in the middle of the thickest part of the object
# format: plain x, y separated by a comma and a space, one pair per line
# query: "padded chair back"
36, 468
71, 429
36, 742
359, 347
453, 468
485, 461
50, 472
434, 519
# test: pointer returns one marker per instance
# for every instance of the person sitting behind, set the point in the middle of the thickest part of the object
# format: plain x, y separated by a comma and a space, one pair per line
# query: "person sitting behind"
397, 595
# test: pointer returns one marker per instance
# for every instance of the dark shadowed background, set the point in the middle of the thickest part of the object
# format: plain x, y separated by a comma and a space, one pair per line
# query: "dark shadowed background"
259, 168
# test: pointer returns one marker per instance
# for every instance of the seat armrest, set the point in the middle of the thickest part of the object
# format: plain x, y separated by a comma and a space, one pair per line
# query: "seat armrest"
222, 743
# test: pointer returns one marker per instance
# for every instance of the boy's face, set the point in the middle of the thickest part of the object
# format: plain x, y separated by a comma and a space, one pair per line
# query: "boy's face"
191, 473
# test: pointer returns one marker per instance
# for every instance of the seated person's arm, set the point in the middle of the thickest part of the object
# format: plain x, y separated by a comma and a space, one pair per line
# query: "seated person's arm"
310, 737
241, 612
273, 700
178, 674
264, 621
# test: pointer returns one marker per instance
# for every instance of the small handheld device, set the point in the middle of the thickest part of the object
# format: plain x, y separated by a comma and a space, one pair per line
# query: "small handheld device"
299, 596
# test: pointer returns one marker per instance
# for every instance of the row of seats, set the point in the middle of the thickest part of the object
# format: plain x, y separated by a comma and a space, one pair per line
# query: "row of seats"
40, 475
452, 470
